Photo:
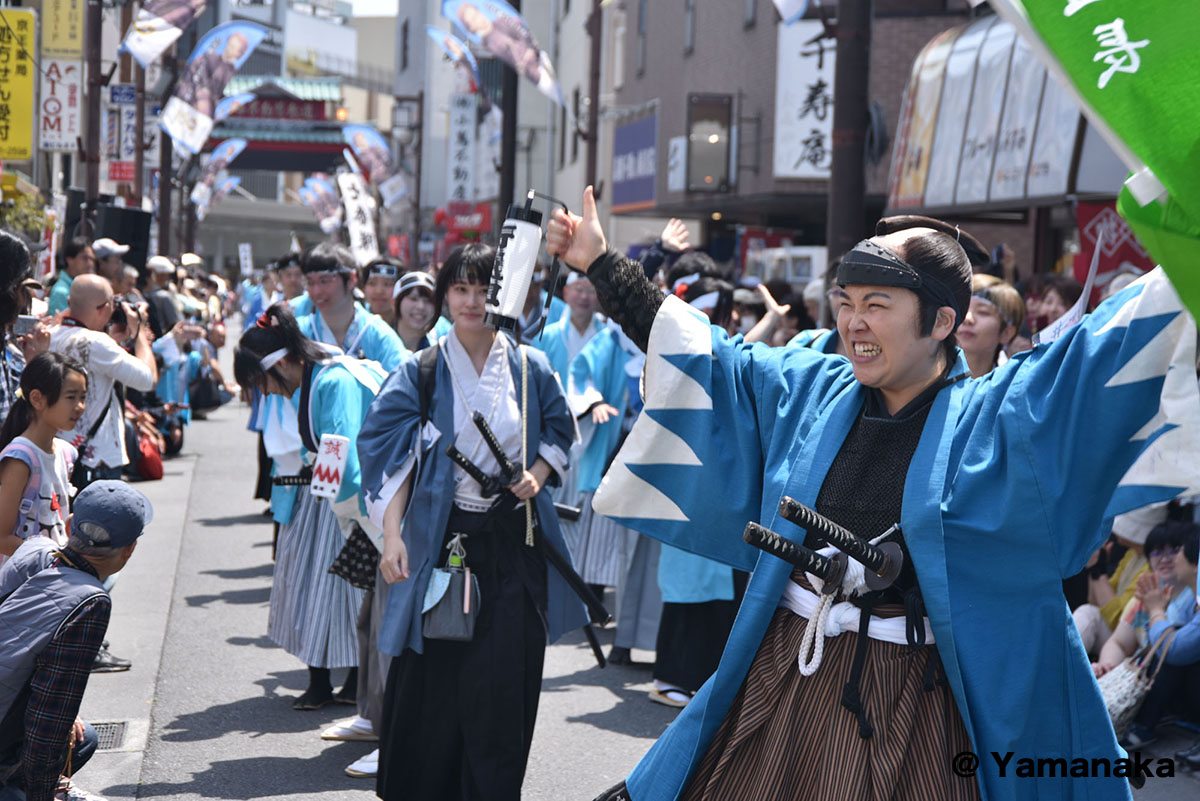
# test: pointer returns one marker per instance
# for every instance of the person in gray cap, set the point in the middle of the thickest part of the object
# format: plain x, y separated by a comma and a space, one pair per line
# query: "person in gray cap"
53, 617
108, 259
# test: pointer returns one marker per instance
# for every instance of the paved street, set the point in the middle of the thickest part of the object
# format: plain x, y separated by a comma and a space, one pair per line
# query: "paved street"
208, 702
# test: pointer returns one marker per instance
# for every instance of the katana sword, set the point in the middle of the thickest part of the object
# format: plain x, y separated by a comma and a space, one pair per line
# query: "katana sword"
883, 562
510, 472
830, 571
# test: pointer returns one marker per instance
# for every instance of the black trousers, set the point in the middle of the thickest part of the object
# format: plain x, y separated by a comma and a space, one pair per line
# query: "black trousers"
262, 484
459, 718
691, 638
1176, 691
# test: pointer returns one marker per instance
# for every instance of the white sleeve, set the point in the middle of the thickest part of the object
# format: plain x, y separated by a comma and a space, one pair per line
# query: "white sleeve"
377, 508
109, 358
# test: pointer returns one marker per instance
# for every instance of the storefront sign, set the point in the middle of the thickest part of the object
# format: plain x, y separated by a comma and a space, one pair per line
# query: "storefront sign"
62, 28
1119, 249
634, 167
804, 102
17, 44
918, 119
460, 158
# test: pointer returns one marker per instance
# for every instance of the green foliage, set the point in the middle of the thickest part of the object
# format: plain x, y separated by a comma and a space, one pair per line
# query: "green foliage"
24, 213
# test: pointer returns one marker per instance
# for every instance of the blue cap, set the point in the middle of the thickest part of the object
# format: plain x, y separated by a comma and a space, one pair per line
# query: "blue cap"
110, 514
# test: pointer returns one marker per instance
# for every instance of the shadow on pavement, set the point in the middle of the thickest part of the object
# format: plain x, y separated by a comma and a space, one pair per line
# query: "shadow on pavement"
270, 713
260, 571
256, 595
264, 777
253, 518
261, 641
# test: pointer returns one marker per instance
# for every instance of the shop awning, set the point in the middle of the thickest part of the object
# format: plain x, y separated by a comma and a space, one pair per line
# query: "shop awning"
327, 88
984, 128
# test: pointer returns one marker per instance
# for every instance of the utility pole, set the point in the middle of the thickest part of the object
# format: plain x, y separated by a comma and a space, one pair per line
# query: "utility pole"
846, 209
139, 152
508, 136
416, 131
91, 51
595, 29
165, 155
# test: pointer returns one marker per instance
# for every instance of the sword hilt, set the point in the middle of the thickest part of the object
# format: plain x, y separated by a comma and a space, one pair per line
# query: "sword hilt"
489, 486
830, 571
883, 562
510, 472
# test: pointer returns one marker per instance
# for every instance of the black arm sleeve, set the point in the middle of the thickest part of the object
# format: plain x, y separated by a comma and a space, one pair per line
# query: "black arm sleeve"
626, 295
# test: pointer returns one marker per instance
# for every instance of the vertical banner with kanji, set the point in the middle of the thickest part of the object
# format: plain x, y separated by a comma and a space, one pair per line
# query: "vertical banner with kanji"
62, 28
17, 43
360, 217
460, 159
804, 102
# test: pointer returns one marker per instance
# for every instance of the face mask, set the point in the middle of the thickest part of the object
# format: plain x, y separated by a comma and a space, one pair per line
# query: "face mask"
747, 322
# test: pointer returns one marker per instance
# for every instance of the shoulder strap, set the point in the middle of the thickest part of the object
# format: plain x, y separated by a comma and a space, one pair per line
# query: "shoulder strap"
27, 512
426, 378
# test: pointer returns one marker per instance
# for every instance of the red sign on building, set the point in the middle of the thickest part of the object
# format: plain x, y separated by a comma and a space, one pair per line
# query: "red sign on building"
121, 171
282, 108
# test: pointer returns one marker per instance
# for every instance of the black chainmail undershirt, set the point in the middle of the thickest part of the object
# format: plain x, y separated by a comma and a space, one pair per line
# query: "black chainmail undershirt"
626, 295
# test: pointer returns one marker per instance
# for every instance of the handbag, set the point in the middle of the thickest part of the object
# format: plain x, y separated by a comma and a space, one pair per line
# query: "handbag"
358, 560
452, 599
204, 394
1125, 687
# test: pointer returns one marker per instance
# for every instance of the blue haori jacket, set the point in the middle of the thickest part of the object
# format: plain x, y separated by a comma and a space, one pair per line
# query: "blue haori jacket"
391, 436
1013, 485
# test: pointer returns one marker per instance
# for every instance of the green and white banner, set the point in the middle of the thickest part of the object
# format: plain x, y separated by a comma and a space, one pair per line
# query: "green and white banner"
1136, 69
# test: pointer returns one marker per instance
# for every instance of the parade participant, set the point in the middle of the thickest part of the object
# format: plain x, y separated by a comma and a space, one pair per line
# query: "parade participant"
336, 318
53, 616
313, 613
459, 715
35, 466
291, 277
379, 284
976, 472
993, 319
414, 311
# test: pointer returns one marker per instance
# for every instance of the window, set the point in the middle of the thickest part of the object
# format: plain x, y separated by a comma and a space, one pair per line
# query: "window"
618, 60
689, 26
751, 15
575, 133
710, 118
404, 45
641, 58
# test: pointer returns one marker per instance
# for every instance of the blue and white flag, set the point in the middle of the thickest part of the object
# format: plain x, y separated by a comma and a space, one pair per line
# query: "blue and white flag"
157, 25
189, 115
502, 31
466, 75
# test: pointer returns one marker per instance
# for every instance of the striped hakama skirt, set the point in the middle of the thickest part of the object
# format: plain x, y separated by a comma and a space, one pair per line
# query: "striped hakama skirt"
595, 541
787, 737
313, 613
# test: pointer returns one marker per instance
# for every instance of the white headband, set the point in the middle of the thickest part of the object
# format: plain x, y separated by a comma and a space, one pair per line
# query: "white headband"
708, 301
684, 279
273, 358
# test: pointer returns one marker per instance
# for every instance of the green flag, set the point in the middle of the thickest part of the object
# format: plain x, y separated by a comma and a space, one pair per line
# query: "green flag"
1136, 64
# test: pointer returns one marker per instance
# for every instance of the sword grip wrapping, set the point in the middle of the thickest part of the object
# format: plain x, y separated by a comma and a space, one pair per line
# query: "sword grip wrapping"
797, 555
804, 517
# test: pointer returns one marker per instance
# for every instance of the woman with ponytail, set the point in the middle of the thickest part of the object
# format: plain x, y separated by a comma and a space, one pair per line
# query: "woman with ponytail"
313, 612
35, 466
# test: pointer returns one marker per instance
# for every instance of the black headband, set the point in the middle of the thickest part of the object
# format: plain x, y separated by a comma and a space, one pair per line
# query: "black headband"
874, 265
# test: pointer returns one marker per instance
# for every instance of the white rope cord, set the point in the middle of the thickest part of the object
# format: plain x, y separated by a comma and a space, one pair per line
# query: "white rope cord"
852, 583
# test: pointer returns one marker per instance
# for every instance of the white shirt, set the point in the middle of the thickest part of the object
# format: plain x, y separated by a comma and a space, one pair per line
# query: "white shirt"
576, 340
55, 492
106, 362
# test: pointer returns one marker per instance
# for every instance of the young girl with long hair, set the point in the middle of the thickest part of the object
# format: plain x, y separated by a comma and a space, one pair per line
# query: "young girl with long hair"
35, 466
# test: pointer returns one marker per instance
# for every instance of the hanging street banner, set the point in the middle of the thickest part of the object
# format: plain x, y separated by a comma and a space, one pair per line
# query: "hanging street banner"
224, 186
60, 120
360, 217
232, 105
62, 29
222, 156
498, 28
466, 69
460, 159
804, 102
1134, 66
188, 116
17, 42
324, 202
157, 25
375, 159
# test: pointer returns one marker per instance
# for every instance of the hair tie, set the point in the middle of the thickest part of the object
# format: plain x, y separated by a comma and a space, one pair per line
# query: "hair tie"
264, 322
19, 394
273, 358
681, 290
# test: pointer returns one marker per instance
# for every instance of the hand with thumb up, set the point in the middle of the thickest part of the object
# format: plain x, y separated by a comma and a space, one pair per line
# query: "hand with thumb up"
578, 241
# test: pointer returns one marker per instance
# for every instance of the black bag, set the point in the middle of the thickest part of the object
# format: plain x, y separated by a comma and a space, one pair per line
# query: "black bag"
453, 616
358, 560
204, 394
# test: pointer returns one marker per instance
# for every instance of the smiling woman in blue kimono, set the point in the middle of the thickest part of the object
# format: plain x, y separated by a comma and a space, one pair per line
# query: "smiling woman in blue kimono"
459, 715
313, 613
1001, 485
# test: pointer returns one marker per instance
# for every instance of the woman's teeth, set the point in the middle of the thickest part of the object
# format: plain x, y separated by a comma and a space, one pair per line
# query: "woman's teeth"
861, 349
